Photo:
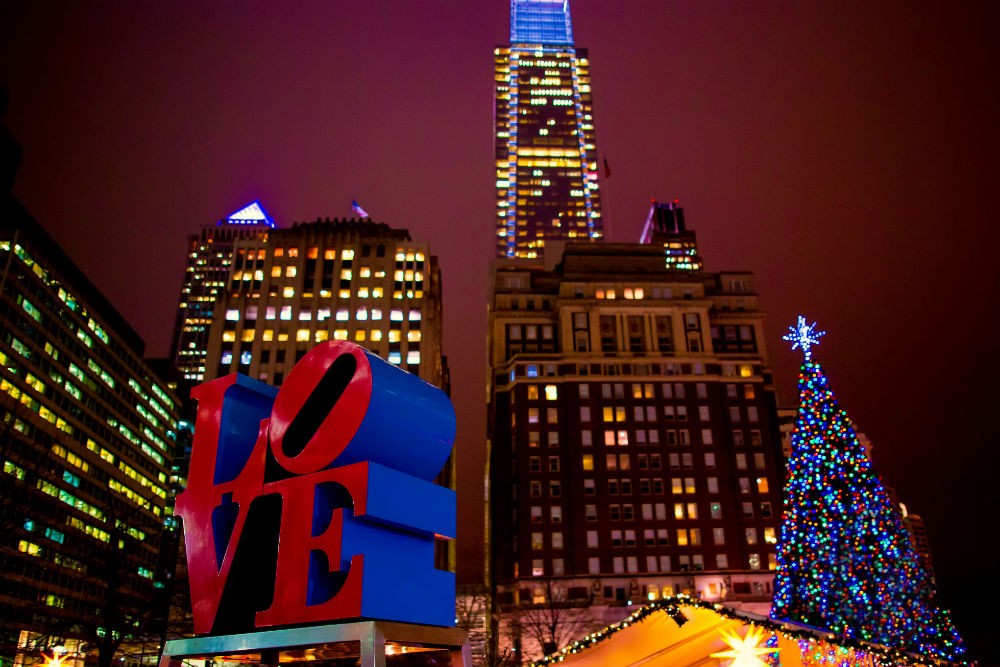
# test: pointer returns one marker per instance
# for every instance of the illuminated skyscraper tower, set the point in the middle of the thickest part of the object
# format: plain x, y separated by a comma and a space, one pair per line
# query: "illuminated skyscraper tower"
209, 258
546, 158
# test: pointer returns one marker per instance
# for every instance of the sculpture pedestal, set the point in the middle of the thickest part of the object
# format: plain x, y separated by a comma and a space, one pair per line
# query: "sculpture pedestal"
370, 641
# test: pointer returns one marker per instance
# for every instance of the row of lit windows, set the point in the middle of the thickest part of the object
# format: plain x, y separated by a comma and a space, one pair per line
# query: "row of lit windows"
651, 462
70, 499
32, 549
641, 437
82, 526
105, 454
346, 254
117, 486
534, 370
130, 530
541, 151
394, 357
613, 414
622, 462
653, 537
548, 162
29, 308
141, 409
559, 101
405, 271
551, 392
44, 412
305, 335
101, 373
627, 293
647, 486
137, 441
70, 458
16, 471
362, 293
654, 564
78, 373
345, 275
626, 512
143, 481
671, 413
88, 529
322, 314
526, 62
656, 512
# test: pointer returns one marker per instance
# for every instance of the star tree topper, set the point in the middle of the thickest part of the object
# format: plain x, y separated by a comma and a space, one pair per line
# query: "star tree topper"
804, 336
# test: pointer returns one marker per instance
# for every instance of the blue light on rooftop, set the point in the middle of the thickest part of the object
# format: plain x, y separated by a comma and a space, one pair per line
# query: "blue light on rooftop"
545, 22
251, 214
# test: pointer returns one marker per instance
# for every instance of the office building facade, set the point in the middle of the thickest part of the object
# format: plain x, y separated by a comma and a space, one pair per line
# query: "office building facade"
209, 255
328, 280
85, 443
634, 446
546, 157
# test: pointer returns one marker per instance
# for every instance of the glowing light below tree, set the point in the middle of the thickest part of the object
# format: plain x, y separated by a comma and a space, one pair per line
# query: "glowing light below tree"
746, 651
54, 659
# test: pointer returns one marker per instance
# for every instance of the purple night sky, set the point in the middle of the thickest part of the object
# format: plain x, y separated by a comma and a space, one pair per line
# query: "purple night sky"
846, 153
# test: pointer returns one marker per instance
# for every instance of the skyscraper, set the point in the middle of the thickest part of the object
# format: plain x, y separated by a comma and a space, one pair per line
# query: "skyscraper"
546, 155
208, 263
634, 443
85, 439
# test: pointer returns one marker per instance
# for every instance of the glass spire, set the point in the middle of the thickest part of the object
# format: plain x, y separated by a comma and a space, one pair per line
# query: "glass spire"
540, 22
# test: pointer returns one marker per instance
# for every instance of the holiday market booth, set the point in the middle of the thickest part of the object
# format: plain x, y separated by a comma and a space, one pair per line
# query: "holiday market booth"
685, 632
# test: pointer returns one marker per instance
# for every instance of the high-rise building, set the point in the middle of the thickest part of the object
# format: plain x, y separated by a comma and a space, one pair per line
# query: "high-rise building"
85, 440
546, 155
208, 263
328, 280
634, 444
353, 280
665, 226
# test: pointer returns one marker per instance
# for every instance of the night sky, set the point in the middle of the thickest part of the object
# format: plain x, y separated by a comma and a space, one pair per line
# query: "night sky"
846, 153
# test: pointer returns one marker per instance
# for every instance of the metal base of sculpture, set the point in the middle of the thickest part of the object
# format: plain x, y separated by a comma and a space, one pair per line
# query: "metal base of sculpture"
371, 641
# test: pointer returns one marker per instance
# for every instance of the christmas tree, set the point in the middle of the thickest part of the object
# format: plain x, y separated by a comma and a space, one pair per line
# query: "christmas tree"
845, 561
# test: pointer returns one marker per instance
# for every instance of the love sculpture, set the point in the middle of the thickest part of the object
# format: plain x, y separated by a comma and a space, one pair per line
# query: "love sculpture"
315, 502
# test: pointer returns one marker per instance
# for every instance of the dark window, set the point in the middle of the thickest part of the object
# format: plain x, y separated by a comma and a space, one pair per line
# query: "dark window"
609, 333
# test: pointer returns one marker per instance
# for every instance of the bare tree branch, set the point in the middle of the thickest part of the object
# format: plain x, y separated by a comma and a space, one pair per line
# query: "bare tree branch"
554, 621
